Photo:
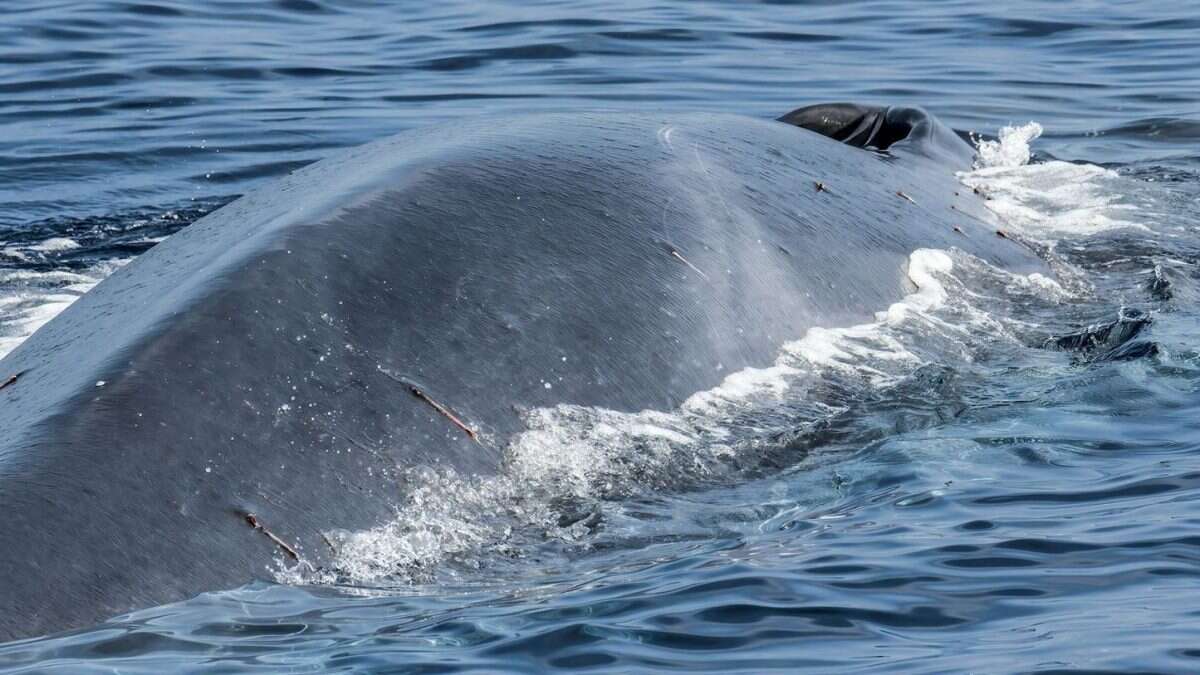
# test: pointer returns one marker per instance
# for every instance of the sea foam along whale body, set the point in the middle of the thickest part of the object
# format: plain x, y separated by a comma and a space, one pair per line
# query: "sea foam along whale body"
291, 354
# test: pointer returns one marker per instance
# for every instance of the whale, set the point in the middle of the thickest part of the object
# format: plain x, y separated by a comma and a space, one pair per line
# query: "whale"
272, 371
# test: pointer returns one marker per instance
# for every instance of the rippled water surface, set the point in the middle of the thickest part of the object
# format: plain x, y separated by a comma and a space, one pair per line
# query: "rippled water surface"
974, 483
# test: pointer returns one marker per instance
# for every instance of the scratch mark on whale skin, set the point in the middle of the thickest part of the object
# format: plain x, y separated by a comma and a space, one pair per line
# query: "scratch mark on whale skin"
664, 136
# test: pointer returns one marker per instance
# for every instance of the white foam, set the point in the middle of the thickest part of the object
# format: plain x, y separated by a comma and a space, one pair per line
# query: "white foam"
924, 268
1011, 149
1048, 200
1042, 284
29, 298
14, 253
54, 244
853, 348
770, 381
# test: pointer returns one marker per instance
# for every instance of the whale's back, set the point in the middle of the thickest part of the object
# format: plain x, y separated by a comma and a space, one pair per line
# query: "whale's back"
295, 353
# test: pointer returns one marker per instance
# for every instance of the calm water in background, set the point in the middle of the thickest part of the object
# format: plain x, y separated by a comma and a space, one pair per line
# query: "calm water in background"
980, 504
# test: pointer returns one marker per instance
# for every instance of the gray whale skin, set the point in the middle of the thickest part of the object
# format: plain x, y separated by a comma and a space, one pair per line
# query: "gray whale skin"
264, 360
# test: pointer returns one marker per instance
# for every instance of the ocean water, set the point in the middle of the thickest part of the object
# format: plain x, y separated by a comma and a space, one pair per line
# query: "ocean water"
1000, 474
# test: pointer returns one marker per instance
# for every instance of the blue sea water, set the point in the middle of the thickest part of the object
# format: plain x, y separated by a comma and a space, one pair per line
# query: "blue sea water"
952, 496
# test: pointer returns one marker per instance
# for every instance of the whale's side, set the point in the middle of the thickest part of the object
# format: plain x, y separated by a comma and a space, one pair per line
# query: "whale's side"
291, 354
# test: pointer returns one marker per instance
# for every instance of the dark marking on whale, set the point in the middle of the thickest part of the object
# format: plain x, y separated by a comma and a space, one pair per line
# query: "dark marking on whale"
504, 263
10, 380
253, 522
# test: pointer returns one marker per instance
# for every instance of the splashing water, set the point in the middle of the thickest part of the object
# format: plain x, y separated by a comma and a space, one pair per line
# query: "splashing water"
1050, 199
1010, 149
